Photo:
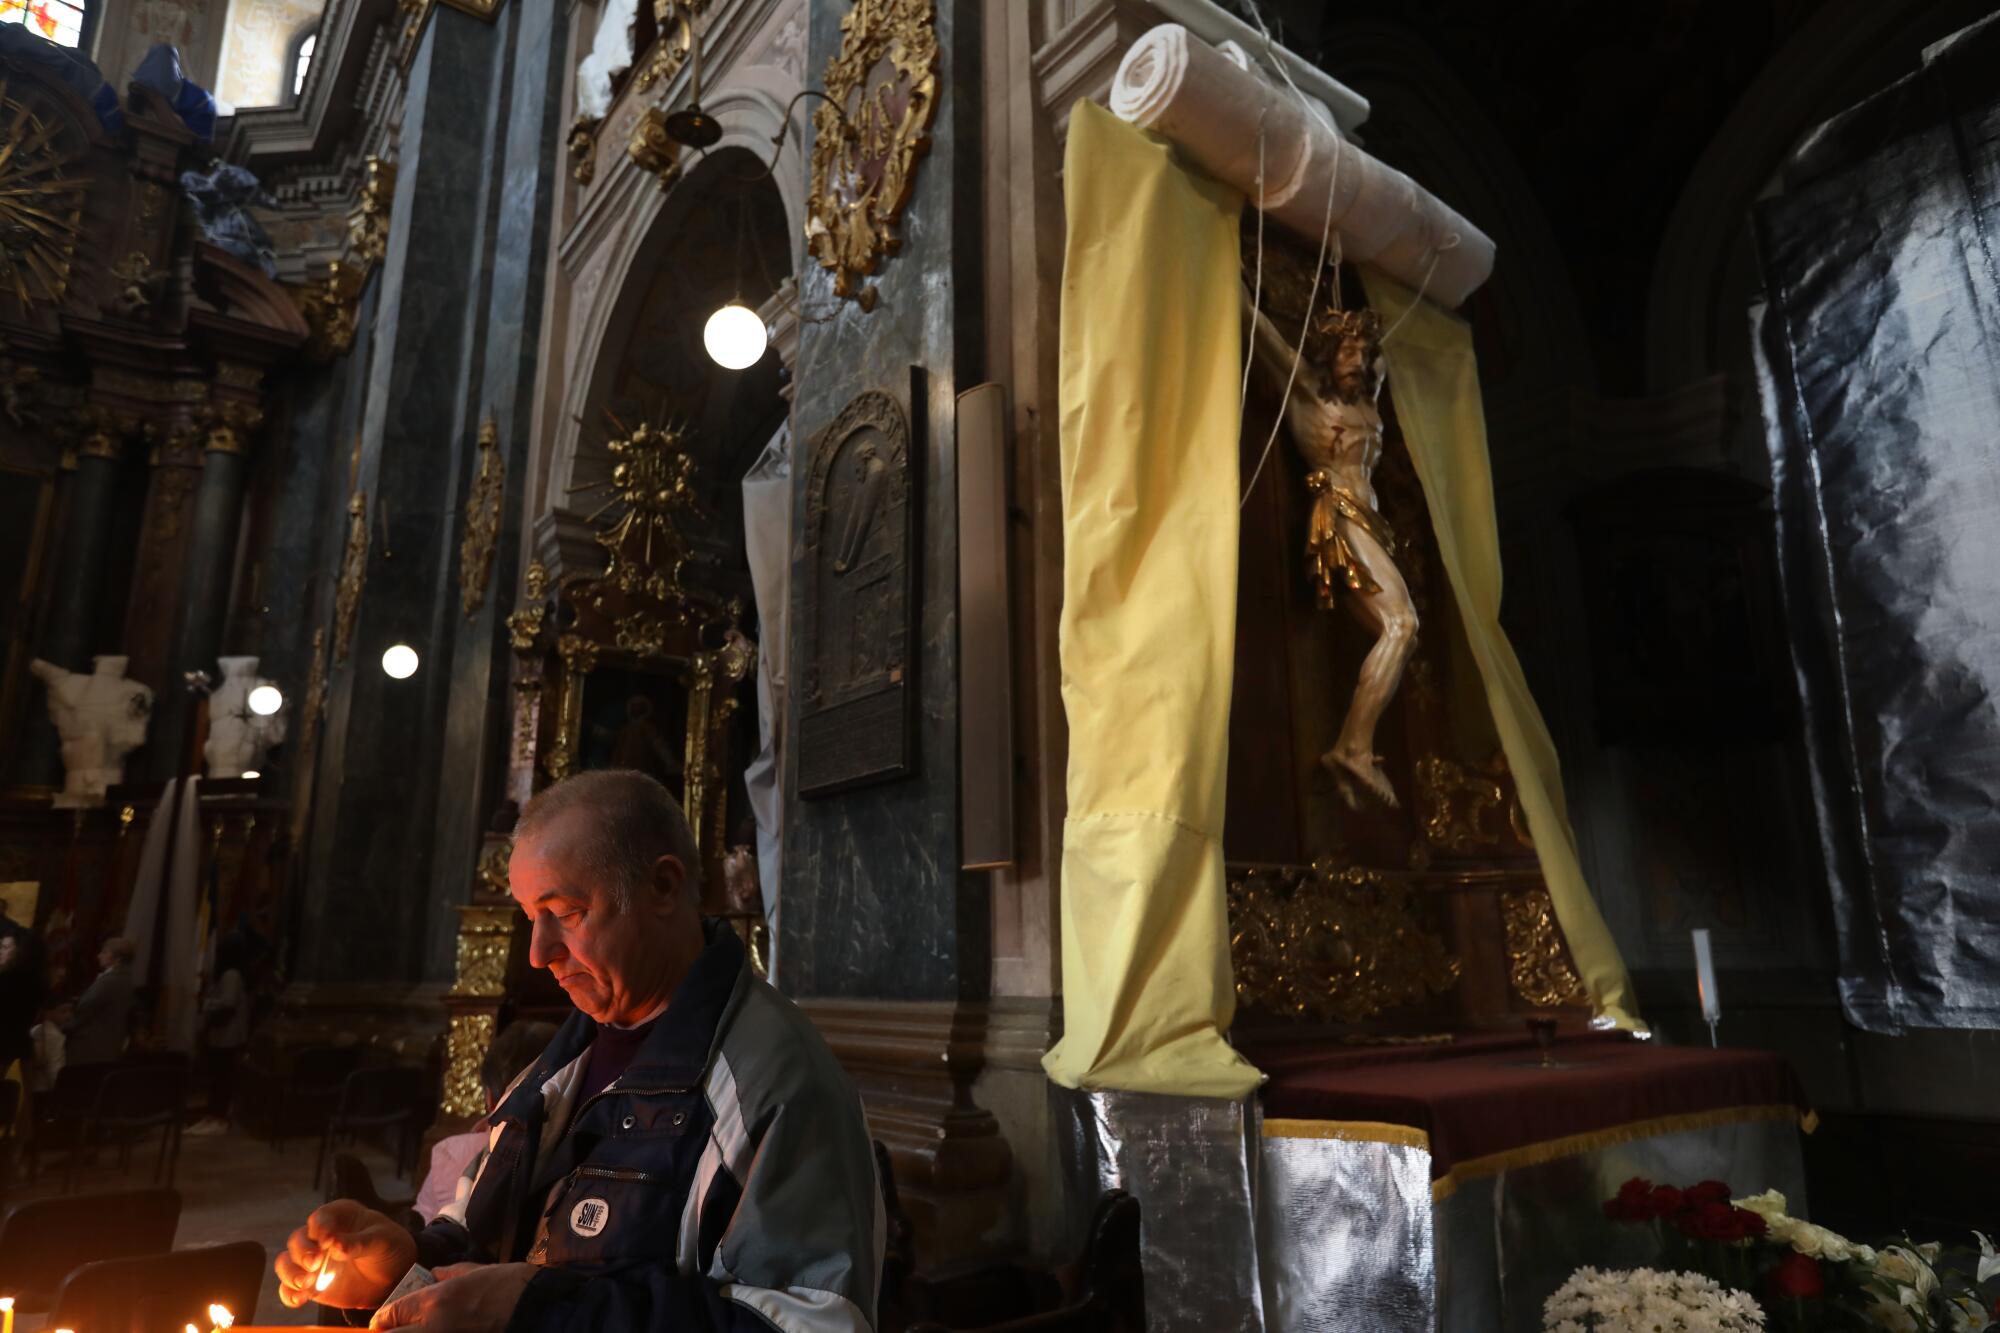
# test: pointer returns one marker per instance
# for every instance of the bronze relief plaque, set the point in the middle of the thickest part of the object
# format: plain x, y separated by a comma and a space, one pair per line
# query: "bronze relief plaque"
857, 677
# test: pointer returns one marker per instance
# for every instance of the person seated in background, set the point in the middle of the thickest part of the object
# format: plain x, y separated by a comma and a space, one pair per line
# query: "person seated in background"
455, 1158
685, 1155
50, 1051
104, 1011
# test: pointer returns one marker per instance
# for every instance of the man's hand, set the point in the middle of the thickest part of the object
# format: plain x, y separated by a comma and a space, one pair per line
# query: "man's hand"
368, 1253
467, 1298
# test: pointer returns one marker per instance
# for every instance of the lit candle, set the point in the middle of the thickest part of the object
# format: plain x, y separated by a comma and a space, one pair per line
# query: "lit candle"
192, 1329
219, 1316
7, 1313
325, 1278
1704, 979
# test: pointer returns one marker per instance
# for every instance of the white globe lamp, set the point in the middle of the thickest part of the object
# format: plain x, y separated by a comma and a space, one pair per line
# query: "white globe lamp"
399, 661
735, 337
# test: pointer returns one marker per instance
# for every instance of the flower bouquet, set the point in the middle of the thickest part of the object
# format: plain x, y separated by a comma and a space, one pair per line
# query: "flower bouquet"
1810, 1277
1645, 1301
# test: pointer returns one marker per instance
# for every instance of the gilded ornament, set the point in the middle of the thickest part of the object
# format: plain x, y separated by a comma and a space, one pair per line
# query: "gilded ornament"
868, 137
652, 149
485, 935
482, 522
466, 1045
353, 576
524, 625
368, 220
329, 306
583, 149
1538, 961
41, 204
1466, 810
1332, 944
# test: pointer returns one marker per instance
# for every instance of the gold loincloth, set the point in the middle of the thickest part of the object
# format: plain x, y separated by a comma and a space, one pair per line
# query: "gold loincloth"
1330, 560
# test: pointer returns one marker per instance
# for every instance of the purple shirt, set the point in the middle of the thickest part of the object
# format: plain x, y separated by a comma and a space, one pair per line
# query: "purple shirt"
611, 1053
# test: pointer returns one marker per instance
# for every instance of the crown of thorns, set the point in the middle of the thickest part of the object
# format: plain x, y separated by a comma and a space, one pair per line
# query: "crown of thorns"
1362, 323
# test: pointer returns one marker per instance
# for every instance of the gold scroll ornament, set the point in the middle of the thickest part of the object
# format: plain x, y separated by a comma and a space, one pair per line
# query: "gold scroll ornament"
1331, 944
41, 204
1466, 810
1538, 964
868, 137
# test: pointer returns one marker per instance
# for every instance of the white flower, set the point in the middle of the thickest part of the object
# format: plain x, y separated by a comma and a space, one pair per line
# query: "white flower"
1968, 1315
1989, 1262
1807, 1239
1644, 1301
1910, 1271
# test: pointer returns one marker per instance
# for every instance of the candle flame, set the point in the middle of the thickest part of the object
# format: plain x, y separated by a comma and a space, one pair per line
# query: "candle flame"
324, 1280
219, 1316
192, 1329
7, 1304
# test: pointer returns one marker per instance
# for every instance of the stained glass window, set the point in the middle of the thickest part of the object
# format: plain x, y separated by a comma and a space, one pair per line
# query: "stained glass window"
299, 66
61, 21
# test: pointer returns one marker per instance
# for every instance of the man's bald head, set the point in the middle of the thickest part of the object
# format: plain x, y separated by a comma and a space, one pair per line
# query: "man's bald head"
613, 826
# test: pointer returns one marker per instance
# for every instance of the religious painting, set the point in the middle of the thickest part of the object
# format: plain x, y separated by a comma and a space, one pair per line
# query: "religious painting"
635, 718
857, 685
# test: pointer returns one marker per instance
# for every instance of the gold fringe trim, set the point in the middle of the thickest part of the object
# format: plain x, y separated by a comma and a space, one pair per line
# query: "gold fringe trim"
1549, 1150
1349, 1131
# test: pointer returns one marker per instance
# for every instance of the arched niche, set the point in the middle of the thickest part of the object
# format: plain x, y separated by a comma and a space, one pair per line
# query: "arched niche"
625, 228
719, 237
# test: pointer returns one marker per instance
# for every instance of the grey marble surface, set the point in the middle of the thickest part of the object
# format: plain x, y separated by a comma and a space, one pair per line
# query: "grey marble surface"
875, 905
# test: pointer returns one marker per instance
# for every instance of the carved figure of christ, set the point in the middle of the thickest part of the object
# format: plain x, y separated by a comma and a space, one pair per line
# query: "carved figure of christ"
1331, 416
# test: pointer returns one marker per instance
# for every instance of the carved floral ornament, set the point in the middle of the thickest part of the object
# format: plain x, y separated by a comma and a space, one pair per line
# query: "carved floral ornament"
482, 521
881, 91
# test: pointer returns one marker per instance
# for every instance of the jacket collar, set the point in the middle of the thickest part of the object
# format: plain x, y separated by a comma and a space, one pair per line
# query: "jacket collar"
675, 1053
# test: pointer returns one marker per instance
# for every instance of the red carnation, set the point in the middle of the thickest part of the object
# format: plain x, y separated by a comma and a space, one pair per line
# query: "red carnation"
1797, 1277
1633, 1202
1719, 1221
1709, 1191
1667, 1201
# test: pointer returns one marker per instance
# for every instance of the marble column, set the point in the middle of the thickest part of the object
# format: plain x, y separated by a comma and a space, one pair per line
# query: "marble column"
204, 604
79, 585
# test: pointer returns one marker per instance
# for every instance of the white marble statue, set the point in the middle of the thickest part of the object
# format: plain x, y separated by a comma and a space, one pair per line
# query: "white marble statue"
101, 718
238, 737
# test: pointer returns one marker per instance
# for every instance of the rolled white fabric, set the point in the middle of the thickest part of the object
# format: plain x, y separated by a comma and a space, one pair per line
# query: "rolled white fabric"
610, 55
1212, 107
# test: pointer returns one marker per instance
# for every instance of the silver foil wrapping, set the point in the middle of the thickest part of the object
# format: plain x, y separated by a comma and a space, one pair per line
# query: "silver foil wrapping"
1346, 1236
1879, 363
1187, 1161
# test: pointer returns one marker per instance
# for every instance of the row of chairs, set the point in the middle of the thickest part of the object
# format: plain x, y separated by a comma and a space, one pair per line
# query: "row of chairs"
107, 1262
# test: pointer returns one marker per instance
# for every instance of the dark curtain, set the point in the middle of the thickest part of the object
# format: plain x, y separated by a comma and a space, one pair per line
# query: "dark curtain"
1879, 350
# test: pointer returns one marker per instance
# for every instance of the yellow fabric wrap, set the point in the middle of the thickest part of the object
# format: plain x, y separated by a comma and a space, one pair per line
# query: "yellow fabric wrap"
1434, 380
1151, 347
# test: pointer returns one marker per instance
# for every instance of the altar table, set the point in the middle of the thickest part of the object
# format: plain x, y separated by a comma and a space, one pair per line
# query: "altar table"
1456, 1185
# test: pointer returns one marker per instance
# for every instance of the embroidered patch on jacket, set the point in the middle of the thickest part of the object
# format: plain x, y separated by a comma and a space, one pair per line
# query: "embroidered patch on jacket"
589, 1217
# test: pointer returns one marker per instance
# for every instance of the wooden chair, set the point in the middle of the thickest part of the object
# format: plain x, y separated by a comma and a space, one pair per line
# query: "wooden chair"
43, 1240
131, 1101
148, 1293
384, 1098
60, 1113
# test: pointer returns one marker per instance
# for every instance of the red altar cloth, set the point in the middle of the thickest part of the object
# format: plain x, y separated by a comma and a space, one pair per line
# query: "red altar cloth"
1484, 1105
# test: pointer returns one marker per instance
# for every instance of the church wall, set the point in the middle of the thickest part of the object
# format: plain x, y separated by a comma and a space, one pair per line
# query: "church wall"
255, 61
128, 28
875, 904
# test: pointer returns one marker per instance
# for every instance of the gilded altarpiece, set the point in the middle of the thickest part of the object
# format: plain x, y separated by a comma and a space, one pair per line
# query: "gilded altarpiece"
1366, 921
637, 666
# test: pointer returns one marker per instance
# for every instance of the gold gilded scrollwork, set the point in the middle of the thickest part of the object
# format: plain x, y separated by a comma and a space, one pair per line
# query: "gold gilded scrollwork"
368, 220
465, 1050
652, 149
484, 934
867, 139
1332, 944
525, 622
1538, 962
727, 666
493, 863
482, 522
583, 149
1465, 810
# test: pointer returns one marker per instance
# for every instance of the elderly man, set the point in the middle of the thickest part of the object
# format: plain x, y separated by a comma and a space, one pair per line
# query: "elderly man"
104, 1011
686, 1154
